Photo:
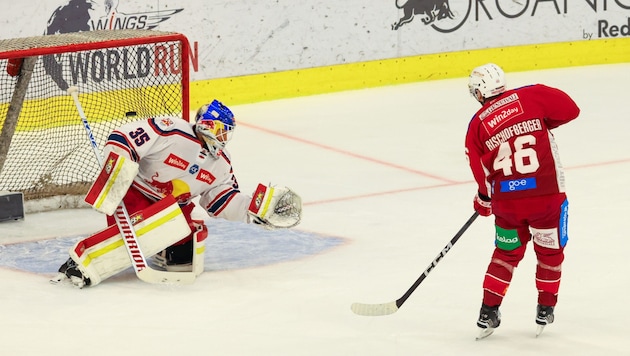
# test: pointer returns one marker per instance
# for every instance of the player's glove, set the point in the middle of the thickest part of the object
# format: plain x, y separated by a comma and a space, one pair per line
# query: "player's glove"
482, 204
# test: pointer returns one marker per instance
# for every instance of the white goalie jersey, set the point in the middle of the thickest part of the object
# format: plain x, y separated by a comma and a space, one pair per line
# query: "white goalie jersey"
172, 161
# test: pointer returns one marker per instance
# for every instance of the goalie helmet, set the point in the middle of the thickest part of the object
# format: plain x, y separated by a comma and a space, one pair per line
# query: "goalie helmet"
215, 124
488, 79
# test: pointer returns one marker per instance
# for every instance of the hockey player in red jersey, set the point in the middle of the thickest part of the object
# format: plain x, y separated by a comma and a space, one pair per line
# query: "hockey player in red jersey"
176, 161
514, 160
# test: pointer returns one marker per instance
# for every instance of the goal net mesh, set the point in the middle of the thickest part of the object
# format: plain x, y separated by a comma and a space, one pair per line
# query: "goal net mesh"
121, 76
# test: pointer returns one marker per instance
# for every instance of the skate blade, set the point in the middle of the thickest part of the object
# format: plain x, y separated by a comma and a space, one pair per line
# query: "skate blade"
539, 330
484, 333
60, 278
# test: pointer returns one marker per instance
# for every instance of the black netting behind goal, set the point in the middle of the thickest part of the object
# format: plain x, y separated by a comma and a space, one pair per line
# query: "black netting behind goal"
120, 75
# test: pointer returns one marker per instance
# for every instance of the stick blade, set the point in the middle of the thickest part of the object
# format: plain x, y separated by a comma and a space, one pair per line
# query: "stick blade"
152, 276
374, 309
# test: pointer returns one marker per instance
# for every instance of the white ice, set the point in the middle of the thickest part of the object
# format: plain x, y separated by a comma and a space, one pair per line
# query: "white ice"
383, 175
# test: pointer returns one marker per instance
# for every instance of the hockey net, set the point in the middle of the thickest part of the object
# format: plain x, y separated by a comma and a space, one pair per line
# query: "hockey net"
122, 75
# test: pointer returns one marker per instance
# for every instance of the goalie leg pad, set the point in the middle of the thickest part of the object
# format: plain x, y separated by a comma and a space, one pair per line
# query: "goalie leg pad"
104, 254
112, 183
187, 256
200, 233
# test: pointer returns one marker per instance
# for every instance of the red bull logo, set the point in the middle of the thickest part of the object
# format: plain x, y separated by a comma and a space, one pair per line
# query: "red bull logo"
446, 17
164, 188
86, 15
166, 122
177, 188
89, 15
431, 10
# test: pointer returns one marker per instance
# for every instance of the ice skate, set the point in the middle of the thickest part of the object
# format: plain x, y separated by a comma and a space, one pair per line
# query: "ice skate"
70, 270
176, 258
489, 319
544, 316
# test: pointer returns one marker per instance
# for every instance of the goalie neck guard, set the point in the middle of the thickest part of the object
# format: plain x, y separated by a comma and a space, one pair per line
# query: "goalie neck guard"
215, 124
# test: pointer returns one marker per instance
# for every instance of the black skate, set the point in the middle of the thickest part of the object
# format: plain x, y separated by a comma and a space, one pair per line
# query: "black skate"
176, 258
70, 270
489, 319
544, 316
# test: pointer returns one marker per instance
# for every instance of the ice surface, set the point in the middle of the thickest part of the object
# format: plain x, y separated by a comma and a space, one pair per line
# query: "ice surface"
385, 186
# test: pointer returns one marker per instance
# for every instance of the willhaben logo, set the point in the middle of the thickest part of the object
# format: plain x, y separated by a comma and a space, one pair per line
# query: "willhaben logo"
205, 176
176, 162
448, 16
112, 64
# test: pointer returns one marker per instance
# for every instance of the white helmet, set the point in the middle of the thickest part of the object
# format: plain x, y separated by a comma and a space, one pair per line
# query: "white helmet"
488, 79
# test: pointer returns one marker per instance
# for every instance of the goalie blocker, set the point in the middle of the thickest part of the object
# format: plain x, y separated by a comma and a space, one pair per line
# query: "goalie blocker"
112, 183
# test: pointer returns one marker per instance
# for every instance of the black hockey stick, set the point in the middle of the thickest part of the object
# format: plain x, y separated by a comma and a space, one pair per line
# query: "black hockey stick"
392, 307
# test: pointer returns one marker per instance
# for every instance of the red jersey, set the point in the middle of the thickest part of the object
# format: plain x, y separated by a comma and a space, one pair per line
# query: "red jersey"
511, 152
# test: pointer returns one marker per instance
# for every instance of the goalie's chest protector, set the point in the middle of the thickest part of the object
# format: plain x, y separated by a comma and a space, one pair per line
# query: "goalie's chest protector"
175, 162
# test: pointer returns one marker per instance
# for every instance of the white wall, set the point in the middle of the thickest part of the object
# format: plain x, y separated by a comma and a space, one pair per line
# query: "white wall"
258, 36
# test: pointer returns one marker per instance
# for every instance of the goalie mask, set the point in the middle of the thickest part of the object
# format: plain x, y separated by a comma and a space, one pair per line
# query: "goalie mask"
215, 124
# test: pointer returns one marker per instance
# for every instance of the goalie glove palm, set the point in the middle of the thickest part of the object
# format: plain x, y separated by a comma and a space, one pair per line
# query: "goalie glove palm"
277, 207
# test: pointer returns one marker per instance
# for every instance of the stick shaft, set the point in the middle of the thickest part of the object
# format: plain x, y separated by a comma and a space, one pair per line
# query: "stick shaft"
392, 307
437, 259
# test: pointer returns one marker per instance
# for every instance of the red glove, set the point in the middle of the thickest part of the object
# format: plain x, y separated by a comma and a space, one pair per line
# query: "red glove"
482, 205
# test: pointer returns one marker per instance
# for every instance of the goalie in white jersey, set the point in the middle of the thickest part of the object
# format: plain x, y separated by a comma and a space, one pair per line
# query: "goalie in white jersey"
180, 160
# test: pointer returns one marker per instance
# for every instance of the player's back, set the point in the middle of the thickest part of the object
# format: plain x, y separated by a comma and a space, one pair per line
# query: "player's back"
518, 150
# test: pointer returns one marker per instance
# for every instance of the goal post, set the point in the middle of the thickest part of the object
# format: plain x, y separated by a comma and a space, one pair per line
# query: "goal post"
122, 75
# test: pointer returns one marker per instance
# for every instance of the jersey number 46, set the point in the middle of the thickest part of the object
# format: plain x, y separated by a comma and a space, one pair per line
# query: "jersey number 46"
523, 158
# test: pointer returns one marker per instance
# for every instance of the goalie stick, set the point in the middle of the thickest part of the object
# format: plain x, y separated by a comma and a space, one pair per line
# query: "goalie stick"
138, 261
392, 307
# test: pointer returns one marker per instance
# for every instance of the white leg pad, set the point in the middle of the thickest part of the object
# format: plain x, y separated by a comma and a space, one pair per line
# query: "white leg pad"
104, 254
199, 246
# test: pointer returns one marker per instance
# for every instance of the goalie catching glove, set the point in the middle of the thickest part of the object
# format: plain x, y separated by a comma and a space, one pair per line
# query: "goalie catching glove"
275, 207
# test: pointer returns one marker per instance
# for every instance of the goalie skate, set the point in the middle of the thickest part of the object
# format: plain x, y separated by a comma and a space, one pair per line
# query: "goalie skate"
176, 258
69, 271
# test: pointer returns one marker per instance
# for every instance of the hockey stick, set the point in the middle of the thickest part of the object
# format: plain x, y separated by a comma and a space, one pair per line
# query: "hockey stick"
138, 261
392, 307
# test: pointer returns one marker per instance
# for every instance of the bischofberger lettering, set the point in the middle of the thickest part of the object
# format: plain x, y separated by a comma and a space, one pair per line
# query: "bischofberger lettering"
520, 128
